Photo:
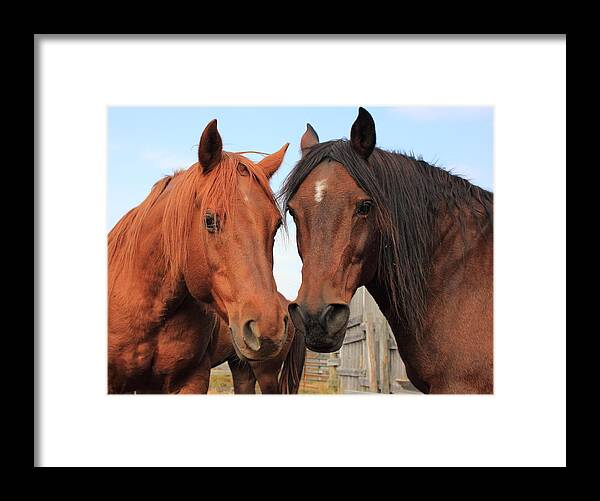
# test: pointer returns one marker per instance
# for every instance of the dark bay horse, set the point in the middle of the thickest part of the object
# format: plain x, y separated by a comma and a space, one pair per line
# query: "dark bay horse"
419, 238
201, 242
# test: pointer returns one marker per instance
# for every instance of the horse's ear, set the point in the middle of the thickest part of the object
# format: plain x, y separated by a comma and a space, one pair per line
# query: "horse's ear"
309, 139
272, 162
210, 148
362, 134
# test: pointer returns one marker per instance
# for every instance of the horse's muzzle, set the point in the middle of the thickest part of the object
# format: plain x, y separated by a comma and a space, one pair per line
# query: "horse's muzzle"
252, 345
324, 329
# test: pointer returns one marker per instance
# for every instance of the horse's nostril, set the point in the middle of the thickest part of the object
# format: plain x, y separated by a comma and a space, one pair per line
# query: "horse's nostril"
298, 316
251, 338
324, 314
335, 317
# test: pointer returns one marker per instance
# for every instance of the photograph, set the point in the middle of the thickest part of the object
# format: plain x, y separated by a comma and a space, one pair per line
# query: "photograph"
246, 254
297, 250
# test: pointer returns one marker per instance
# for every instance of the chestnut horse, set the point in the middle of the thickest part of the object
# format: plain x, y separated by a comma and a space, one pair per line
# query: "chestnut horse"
202, 240
419, 238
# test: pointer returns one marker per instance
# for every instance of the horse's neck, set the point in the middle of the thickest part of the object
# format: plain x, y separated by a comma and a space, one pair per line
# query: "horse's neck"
142, 287
459, 249
462, 238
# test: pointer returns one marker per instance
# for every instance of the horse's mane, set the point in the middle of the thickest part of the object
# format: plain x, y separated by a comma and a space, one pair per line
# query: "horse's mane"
290, 376
185, 191
409, 195
122, 239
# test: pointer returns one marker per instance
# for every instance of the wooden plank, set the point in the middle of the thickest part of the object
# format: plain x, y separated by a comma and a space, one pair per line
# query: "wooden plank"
371, 354
351, 372
354, 321
384, 357
333, 381
354, 336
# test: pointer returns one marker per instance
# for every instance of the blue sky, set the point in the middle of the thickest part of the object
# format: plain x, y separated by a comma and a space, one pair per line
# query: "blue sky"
146, 143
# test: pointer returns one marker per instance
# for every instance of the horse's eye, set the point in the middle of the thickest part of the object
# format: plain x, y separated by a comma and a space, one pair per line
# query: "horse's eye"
363, 208
242, 170
210, 221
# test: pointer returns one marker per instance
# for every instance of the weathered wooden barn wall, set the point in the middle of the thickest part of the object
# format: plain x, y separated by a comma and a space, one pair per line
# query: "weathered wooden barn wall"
369, 360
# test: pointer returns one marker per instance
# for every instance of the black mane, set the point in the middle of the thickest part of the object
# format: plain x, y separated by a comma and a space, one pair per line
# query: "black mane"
409, 196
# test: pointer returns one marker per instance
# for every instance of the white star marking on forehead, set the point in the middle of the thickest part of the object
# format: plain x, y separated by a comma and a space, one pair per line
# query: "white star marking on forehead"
320, 190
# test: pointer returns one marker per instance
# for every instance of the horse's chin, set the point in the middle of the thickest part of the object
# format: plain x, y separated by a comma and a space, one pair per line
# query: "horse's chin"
244, 356
325, 343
